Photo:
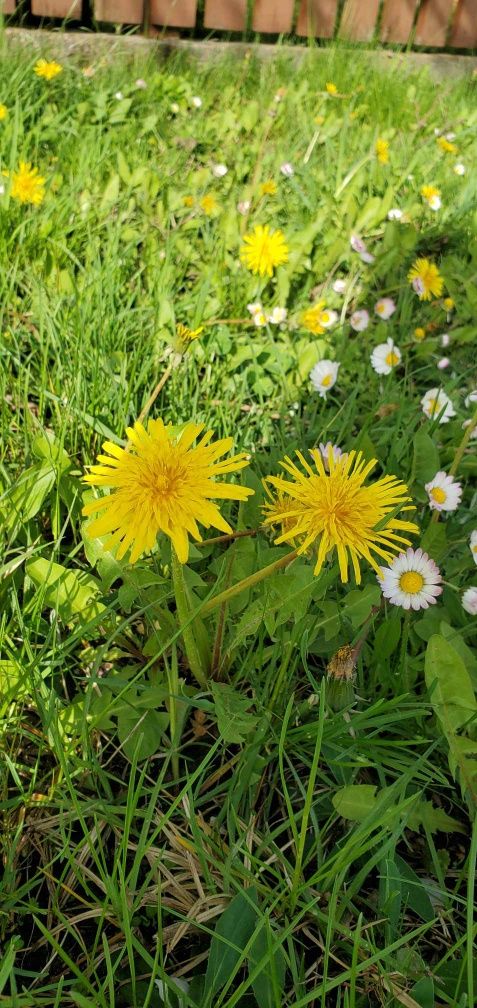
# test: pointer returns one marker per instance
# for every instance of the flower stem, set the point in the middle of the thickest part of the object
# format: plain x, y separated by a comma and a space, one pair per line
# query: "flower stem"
248, 582
155, 393
186, 622
459, 453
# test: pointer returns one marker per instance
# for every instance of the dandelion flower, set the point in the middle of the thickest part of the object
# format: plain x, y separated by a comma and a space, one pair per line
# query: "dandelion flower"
318, 318
359, 320
331, 88
209, 204
382, 150
263, 250
48, 69
3, 111
27, 185
335, 510
185, 336
163, 484
431, 196
446, 145
323, 376
419, 334
412, 580
434, 403
269, 188
385, 357
473, 544
385, 307
425, 279
443, 492
469, 601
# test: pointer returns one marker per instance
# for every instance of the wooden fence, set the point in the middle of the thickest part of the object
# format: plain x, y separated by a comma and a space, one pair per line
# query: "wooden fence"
427, 23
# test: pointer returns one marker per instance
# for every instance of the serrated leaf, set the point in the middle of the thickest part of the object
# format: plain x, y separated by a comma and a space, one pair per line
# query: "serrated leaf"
234, 723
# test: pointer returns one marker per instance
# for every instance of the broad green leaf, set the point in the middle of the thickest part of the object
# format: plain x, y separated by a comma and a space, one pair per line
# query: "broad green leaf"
269, 984
234, 723
71, 593
24, 500
426, 457
387, 637
140, 734
232, 933
111, 193
449, 685
358, 603
434, 540
413, 889
355, 801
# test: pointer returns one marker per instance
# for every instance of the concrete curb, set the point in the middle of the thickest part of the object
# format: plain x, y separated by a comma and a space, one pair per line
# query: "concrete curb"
93, 44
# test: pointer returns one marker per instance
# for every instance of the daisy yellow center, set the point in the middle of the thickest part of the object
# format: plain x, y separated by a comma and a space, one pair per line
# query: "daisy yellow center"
439, 495
324, 317
392, 359
161, 483
326, 380
434, 406
335, 510
411, 582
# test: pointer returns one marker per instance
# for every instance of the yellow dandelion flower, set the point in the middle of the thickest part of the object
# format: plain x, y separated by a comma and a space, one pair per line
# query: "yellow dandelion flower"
209, 204
382, 150
48, 69
331, 88
425, 279
184, 335
319, 120
162, 484
276, 510
448, 304
419, 334
447, 146
3, 111
269, 188
27, 185
335, 510
188, 201
432, 196
318, 318
263, 250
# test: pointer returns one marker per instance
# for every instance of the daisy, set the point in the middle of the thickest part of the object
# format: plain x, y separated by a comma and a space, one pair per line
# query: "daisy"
335, 511
359, 320
48, 69
395, 214
445, 340
119, 96
243, 207
164, 483
469, 600
473, 433
443, 363
287, 169
385, 357
258, 314
470, 398
323, 376
431, 196
336, 454
443, 492
473, 544
263, 250
425, 279
196, 101
357, 244
339, 286
435, 403
318, 318
459, 168
140, 84
219, 170
277, 316
412, 580
382, 150
385, 307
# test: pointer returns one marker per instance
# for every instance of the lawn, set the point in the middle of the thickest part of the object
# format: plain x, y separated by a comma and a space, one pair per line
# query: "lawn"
237, 683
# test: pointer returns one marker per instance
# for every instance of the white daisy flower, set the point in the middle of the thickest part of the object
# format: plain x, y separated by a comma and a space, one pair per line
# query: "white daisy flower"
385, 307
470, 398
473, 544
336, 453
196, 101
219, 170
412, 580
323, 376
254, 307
385, 357
366, 257
339, 286
395, 214
119, 96
287, 169
443, 492
174, 108
443, 363
141, 84
434, 202
469, 600
277, 316
473, 434
243, 206
451, 136
459, 168
436, 402
359, 320
357, 244
445, 340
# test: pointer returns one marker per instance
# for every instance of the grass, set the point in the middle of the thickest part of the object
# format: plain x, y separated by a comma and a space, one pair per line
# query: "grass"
272, 838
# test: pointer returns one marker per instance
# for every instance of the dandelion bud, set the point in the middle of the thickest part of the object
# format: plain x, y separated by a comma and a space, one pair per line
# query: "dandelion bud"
340, 678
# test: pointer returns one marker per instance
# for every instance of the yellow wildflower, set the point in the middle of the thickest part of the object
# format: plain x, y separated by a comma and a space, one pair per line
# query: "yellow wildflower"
263, 250
209, 204
268, 188
446, 146
425, 279
382, 150
3, 111
331, 88
27, 185
48, 69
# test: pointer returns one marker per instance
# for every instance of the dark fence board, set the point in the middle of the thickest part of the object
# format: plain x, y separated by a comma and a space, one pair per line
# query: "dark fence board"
464, 32
270, 16
119, 11
433, 22
177, 13
397, 20
317, 17
57, 8
230, 15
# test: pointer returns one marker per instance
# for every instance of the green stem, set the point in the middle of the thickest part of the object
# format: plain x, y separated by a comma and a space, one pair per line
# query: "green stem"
186, 621
300, 846
248, 582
